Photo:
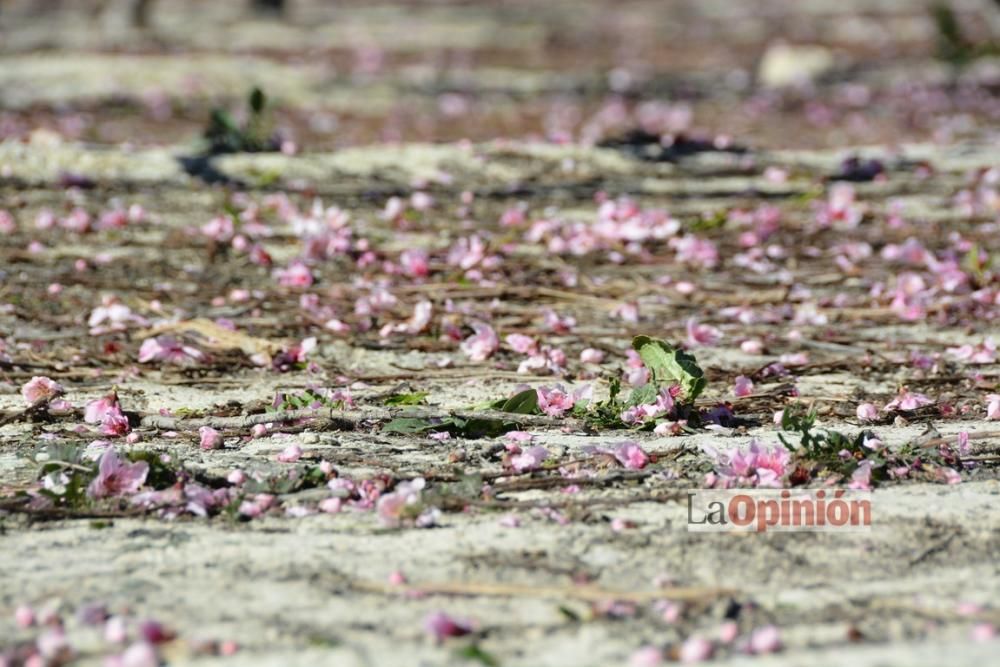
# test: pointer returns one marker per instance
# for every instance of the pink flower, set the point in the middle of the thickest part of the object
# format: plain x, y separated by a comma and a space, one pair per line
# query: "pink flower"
647, 656
529, 459
765, 640
170, 350
441, 626
24, 616
522, 344
290, 454
695, 649
95, 410
701, 334
993, 407
114, 422
591, 356
391, 506
210, 438
296, 275
414, 263
631, 455
39, 389
867, 412
695, 251
759, 466
139, 654
985, 353
861, 480
983, 632
840, 208
111, 315
554, 402
482, 344
907, 400
116, 477
744, 386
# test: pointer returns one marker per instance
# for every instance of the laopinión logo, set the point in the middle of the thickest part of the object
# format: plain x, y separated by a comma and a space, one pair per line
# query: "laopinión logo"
763, 510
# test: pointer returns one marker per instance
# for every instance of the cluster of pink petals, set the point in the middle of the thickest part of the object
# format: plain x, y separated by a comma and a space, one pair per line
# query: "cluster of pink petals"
107, 412
116, 477
391, 506
555, 401
481, 345
620, 224
170, 350
661, 407
695, 251
526, 460
39, 389
907, 400
984, 353
112, 315
759, 466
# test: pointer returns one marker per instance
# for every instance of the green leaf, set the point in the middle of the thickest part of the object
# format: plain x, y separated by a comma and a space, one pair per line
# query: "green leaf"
257, 100
522, 403
415, 398
408, 425
669, 364
473, 652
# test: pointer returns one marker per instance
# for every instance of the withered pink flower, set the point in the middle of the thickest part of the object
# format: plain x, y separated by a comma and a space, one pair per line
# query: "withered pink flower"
423, 311
555, 401
867, 412
907, 400
290, 454
861, 480
40, 388
24, 616
297, 274
441, 626
95, 410
983, 632
647, 656
695, 649
415, 263
743, 386
840, 208
631, 455
111, 315
115, 477
210, 438
522, 344
390, 506
993, 407
114, 422
481, 345
529, 459
759, 466
699, 335
591, 356
765, 640
169, 350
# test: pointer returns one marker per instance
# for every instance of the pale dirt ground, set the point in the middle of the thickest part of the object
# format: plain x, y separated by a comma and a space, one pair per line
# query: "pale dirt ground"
296, 591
